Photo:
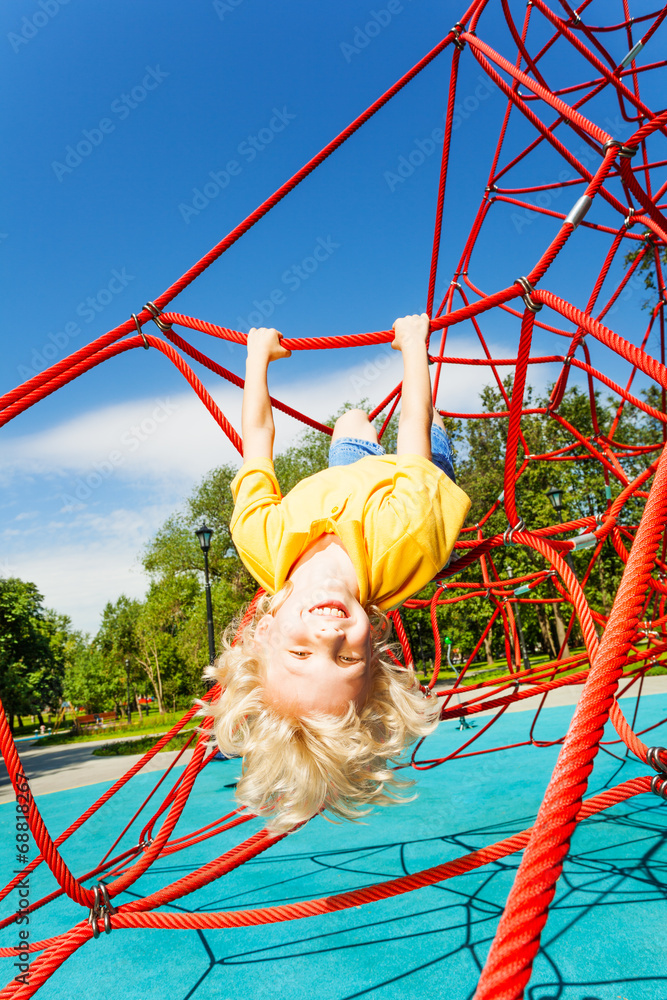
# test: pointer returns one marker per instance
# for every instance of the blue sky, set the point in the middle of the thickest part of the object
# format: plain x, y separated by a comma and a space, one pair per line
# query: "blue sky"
168, 101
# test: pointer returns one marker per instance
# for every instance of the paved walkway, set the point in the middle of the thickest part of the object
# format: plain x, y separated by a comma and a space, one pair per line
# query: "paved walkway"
58, 768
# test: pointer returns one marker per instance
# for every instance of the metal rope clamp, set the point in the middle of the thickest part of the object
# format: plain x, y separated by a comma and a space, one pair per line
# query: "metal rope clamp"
657, 758
528, 300
101, 908
508, 534
140, 331
457, 29
157, 317
623, 150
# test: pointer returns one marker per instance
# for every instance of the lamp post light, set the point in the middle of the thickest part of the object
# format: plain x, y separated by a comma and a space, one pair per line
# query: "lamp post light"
127, 673
204, 535
556, 496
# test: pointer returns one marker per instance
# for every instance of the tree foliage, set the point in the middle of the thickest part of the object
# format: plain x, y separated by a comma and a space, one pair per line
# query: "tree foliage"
33, 650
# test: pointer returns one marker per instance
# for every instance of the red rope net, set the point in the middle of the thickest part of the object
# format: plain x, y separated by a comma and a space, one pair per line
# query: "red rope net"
620, 176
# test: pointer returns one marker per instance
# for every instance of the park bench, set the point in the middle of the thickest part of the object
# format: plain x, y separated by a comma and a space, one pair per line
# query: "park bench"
82, 722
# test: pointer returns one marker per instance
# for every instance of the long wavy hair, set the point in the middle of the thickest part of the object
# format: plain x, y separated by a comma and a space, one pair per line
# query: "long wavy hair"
296, 766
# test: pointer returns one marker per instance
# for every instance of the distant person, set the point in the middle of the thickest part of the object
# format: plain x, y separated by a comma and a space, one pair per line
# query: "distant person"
312, 700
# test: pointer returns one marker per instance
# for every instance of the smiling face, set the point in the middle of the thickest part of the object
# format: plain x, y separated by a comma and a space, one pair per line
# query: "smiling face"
319, 654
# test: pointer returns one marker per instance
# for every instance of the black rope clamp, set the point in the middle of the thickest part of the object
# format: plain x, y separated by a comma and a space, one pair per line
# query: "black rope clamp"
528, 300
157, 317
508, 534
140, 331
657, 758
623, 150
457, 29
101, 908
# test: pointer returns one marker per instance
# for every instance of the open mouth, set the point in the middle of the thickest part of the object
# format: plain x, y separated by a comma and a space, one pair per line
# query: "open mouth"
330, 609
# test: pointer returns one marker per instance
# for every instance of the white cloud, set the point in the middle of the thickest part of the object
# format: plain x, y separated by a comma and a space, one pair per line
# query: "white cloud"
78, 581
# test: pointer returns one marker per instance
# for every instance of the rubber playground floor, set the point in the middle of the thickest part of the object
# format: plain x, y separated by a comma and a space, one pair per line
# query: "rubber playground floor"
606, 937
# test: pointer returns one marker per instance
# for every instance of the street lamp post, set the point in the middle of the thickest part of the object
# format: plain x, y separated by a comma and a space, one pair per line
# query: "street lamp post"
127, 673
204, 535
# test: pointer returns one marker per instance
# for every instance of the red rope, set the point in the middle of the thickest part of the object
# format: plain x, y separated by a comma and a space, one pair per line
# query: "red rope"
629, 196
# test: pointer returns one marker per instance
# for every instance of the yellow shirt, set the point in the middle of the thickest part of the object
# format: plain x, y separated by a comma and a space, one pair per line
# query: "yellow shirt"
397, 517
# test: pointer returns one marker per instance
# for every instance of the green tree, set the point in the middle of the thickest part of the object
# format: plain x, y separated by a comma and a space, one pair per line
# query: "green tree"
162, 617
117, 642
87, 680
573, 469
32, 651
647, 267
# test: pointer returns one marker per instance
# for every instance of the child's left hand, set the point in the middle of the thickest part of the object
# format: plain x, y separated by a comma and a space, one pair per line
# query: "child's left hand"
264, 344
410, 332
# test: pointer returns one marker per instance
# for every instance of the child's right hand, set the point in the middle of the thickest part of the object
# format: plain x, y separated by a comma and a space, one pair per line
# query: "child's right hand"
264, 344
410, 331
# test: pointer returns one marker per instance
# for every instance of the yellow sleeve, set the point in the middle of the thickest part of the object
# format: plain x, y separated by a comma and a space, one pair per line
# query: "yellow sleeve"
257, 522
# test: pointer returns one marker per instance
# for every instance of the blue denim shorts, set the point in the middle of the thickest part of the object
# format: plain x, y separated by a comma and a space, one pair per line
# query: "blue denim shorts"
347, 450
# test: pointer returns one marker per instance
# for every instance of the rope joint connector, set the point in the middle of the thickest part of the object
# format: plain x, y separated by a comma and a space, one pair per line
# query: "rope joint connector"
528, 300
657, 758
140, 331
585, 541
579, 210
659, 786
457, 29
508, 534
157, 317
623, 150
102, 907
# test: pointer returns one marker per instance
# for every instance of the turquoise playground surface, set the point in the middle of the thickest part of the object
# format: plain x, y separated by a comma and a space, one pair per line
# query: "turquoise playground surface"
605, 939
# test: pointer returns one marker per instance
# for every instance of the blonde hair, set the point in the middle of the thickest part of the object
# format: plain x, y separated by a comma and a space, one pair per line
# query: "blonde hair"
294, 767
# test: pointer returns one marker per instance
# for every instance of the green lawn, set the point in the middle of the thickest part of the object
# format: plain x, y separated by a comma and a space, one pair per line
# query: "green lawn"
482, 672
155, 724
121, 748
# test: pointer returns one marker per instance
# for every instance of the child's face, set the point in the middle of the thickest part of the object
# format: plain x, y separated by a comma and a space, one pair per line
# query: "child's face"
319, 651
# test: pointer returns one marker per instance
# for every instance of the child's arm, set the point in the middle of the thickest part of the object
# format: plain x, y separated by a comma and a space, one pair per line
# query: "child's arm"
257, 426
414, 425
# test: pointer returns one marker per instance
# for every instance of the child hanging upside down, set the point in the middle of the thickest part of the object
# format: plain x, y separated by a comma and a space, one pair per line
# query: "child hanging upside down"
312, 701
